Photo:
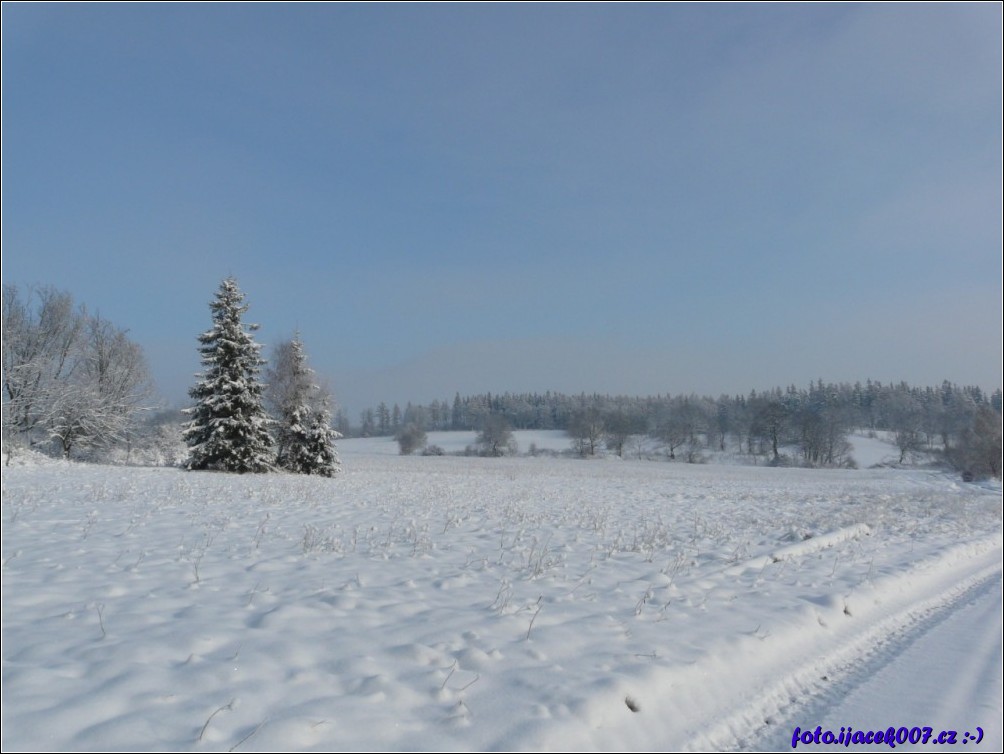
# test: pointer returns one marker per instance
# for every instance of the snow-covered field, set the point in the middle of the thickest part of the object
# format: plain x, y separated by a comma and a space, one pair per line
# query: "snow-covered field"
421, 603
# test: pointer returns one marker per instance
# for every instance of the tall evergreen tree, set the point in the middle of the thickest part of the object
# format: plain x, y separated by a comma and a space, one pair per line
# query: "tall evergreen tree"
383, 419
228, 430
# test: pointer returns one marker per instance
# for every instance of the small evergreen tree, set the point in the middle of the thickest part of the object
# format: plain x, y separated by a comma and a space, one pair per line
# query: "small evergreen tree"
228, 430
305, 440
321, 443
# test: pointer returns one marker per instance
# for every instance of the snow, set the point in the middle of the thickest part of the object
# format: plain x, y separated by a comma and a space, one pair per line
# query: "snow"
961, 650
876, 450
551, 440
448, 603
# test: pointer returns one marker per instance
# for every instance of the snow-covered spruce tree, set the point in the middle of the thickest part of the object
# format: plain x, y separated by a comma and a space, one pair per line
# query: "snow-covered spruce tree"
305, 440
228, 430
321, 443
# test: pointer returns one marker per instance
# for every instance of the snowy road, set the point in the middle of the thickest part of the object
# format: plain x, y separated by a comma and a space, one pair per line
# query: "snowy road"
943, 662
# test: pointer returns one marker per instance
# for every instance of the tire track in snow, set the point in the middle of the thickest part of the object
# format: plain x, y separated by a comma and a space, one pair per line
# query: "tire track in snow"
951, 677
807, 696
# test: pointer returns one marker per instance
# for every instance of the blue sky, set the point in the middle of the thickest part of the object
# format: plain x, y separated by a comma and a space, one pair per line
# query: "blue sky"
622, 198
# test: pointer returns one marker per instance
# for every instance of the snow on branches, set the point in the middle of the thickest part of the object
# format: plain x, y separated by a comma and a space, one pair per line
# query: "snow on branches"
229, 428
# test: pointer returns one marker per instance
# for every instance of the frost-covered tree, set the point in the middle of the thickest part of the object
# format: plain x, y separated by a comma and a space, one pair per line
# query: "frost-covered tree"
69, 377
228, 430
618, 426
383, 419
977, 453
367, 424
288, 385
41, 353
305, 440
495, 438
411, 437
586, 430
97, 408
321, 443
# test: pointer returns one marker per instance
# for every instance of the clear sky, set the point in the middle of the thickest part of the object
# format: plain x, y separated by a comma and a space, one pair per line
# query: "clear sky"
628, 198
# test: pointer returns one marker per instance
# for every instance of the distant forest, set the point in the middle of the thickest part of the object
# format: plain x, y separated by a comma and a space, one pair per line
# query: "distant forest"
815, 420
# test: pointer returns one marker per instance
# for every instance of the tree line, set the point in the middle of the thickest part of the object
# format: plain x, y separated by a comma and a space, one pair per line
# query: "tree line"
782, 425
75, 383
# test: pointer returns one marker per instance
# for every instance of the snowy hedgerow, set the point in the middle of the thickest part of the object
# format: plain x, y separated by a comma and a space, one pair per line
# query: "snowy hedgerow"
305, 440
229, 427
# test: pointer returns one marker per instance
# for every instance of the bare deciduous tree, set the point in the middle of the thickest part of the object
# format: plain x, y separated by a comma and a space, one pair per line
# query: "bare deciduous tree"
586, 430
495, 438
68, 376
